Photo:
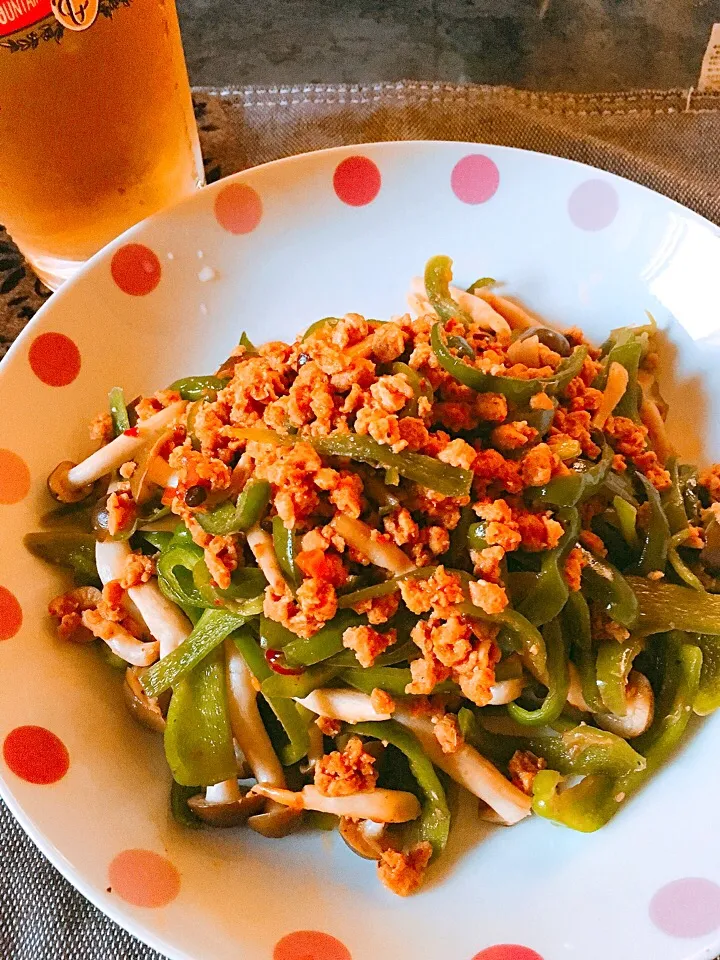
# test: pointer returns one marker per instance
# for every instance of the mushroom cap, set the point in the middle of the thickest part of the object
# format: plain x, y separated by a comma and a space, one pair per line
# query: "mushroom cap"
144, 709
364, 837
61, 489
227, 813
276, 822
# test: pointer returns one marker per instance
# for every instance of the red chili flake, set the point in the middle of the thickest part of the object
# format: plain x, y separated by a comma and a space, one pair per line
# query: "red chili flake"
273, 656
132, 432
168, 496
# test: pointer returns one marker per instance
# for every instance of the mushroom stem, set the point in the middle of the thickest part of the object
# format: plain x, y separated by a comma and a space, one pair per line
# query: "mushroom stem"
470, 769
122, 448
166, 622
505, 691
262, 548
350, 706
385, 555
381, 806
226, 792
640, 709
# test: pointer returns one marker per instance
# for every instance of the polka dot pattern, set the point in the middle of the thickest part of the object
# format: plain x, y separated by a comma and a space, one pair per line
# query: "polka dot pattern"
475, 179
507, 951
593, 205
136, 269
310, 945
687, 908
357, 181
11, 615
14, 478
238, 208
144, 878
36, 755
54, 359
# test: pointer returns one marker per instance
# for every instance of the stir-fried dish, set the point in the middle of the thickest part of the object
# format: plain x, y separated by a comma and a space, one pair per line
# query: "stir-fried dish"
350, 575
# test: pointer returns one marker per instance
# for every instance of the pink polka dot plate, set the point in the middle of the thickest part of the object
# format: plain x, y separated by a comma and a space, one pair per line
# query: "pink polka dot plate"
269, 251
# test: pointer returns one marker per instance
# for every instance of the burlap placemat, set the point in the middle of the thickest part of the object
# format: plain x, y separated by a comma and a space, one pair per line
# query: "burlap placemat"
667, 140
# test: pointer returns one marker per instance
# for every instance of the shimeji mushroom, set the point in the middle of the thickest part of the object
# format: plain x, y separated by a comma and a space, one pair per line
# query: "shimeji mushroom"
480, 311
166, 622
145, 709
69, 483
381, 554
366, 838
252, 738
351, 706
470, 769
261, 544
505, 691
225, 804
640, 709
379, 805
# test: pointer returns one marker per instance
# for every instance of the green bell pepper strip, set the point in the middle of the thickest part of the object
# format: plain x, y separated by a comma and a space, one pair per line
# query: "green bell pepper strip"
438, 275
576, 626
672, 500
273, 635
199, 388
606, 585
425, 471
584, 481
208, 633
175, 568
667, 606
244, 596
245, 341
592, 802
688, 479
75, 551
392, 680
286, 551
298, 686
476, 534
523, 636
434, 825
118, 411
384, 589
376, 490
420, 387
179, 808
318, 325
398, 653
240, 516
620, 485
198, 738
628, 355
325, 643
558, 682
461, 346
550, 592
516, 390
457, 555
707, 698
614, 662
627, 518
160, 539
296, 730
678, 564
655, 550
481, 282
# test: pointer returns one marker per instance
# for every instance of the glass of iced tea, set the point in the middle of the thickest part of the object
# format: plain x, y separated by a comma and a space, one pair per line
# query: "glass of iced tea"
96, 124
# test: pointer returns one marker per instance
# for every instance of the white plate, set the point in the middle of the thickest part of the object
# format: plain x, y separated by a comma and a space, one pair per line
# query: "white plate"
577, 245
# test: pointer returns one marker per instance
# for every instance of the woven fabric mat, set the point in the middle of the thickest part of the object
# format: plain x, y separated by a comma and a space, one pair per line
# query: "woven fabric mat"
667, 140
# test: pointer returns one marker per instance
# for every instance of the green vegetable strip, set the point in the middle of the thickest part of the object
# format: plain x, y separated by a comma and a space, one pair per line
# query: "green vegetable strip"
457, 555
285, 710
628, 355
667, 606
435, 817
585, 480
383, 589
179, 808
613, 592
208, 633
325, 643
678, 564
285, 551
655, 550
516, 390
298, 686
707, 698
318, 325
438, 275
672, 500
576, 626
198, 739
237, 517
118, 411
199, 388
420, 385
627, 518
426, 471
76, 551
175, 568
274, 636
544, 601
481, 282
524, 637
392, 680
592, 802
614, 662
558, 682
